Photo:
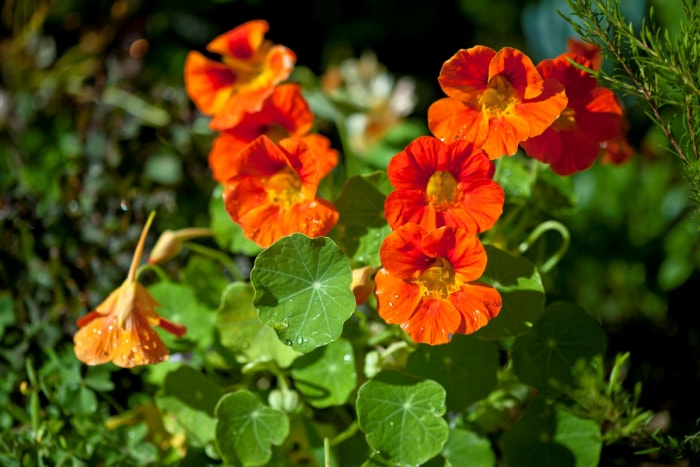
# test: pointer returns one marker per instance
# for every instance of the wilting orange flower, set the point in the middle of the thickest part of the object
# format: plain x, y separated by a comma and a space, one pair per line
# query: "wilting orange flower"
441, 184
496, 100
285, 113
427, 283
591, 117
274, 192
250, 68
120, 328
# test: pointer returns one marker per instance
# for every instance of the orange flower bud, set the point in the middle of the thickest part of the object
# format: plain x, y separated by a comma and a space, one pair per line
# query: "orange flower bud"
170, 242
363, 283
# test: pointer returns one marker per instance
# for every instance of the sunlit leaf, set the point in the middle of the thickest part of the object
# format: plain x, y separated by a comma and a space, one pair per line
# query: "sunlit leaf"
246, 428
197, 425
327, 375
180, 305
544, 357
467, 448
302, 290
402, 417
520, 285
242, 331
466, 368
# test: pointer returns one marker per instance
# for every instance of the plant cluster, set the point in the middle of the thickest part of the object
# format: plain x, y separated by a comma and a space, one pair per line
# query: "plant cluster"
333, 301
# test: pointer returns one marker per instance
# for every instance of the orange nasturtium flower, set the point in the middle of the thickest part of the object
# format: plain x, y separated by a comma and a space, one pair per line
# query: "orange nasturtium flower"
284, 114
249, 70
496, 100
592, 116
427, 283
120, 328
439, 184
273, 193
616, 150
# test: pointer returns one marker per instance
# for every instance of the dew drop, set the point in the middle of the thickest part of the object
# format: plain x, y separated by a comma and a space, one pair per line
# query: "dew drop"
300, 340
288, 342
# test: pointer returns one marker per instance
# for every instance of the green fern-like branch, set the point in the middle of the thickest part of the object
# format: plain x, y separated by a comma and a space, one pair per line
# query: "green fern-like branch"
655, 66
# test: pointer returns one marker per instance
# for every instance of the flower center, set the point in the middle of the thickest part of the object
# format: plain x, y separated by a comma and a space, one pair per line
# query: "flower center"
566, 120
275, 132
438, 280
441, 190
499, 98
284, 188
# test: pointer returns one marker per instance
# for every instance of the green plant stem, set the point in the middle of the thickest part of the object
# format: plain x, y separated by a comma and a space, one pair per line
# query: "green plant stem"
541, 229
162, 276
219, 256
347, 433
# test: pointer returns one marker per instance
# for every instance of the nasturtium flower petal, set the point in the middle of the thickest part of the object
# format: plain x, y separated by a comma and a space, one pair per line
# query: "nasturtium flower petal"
512, 99
592, 116
427, 283
437, 184
249, 70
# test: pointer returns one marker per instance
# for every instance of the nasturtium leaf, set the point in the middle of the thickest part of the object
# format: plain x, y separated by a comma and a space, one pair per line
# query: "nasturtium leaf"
327, 375
207, 280
522, 292
302, 290
227, 233
465, 447
179, 304
544, 357
246, 428
466, 368
199, 427
362, 226
402, 417
515, 178
242, 332
193, 388
530, 442
581, 436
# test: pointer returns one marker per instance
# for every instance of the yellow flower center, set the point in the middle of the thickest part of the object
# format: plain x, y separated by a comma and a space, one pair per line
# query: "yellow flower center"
284, 188
566, 120
442, 190
438, 280
499, 98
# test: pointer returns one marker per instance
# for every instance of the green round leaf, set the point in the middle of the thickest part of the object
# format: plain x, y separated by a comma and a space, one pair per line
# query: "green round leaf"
179, 304
467, 448
327, 375
362, 226
246, 428
549, 435
402, 417
242, 332
302, 290
545, 356
522, 292
466, 368
193, 388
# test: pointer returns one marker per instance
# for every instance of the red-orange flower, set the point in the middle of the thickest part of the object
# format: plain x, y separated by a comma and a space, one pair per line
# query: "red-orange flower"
427, 283
616, 150
285, 113
120, 328
250, 68
274, 192
591, 117
496, 100
439, 184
